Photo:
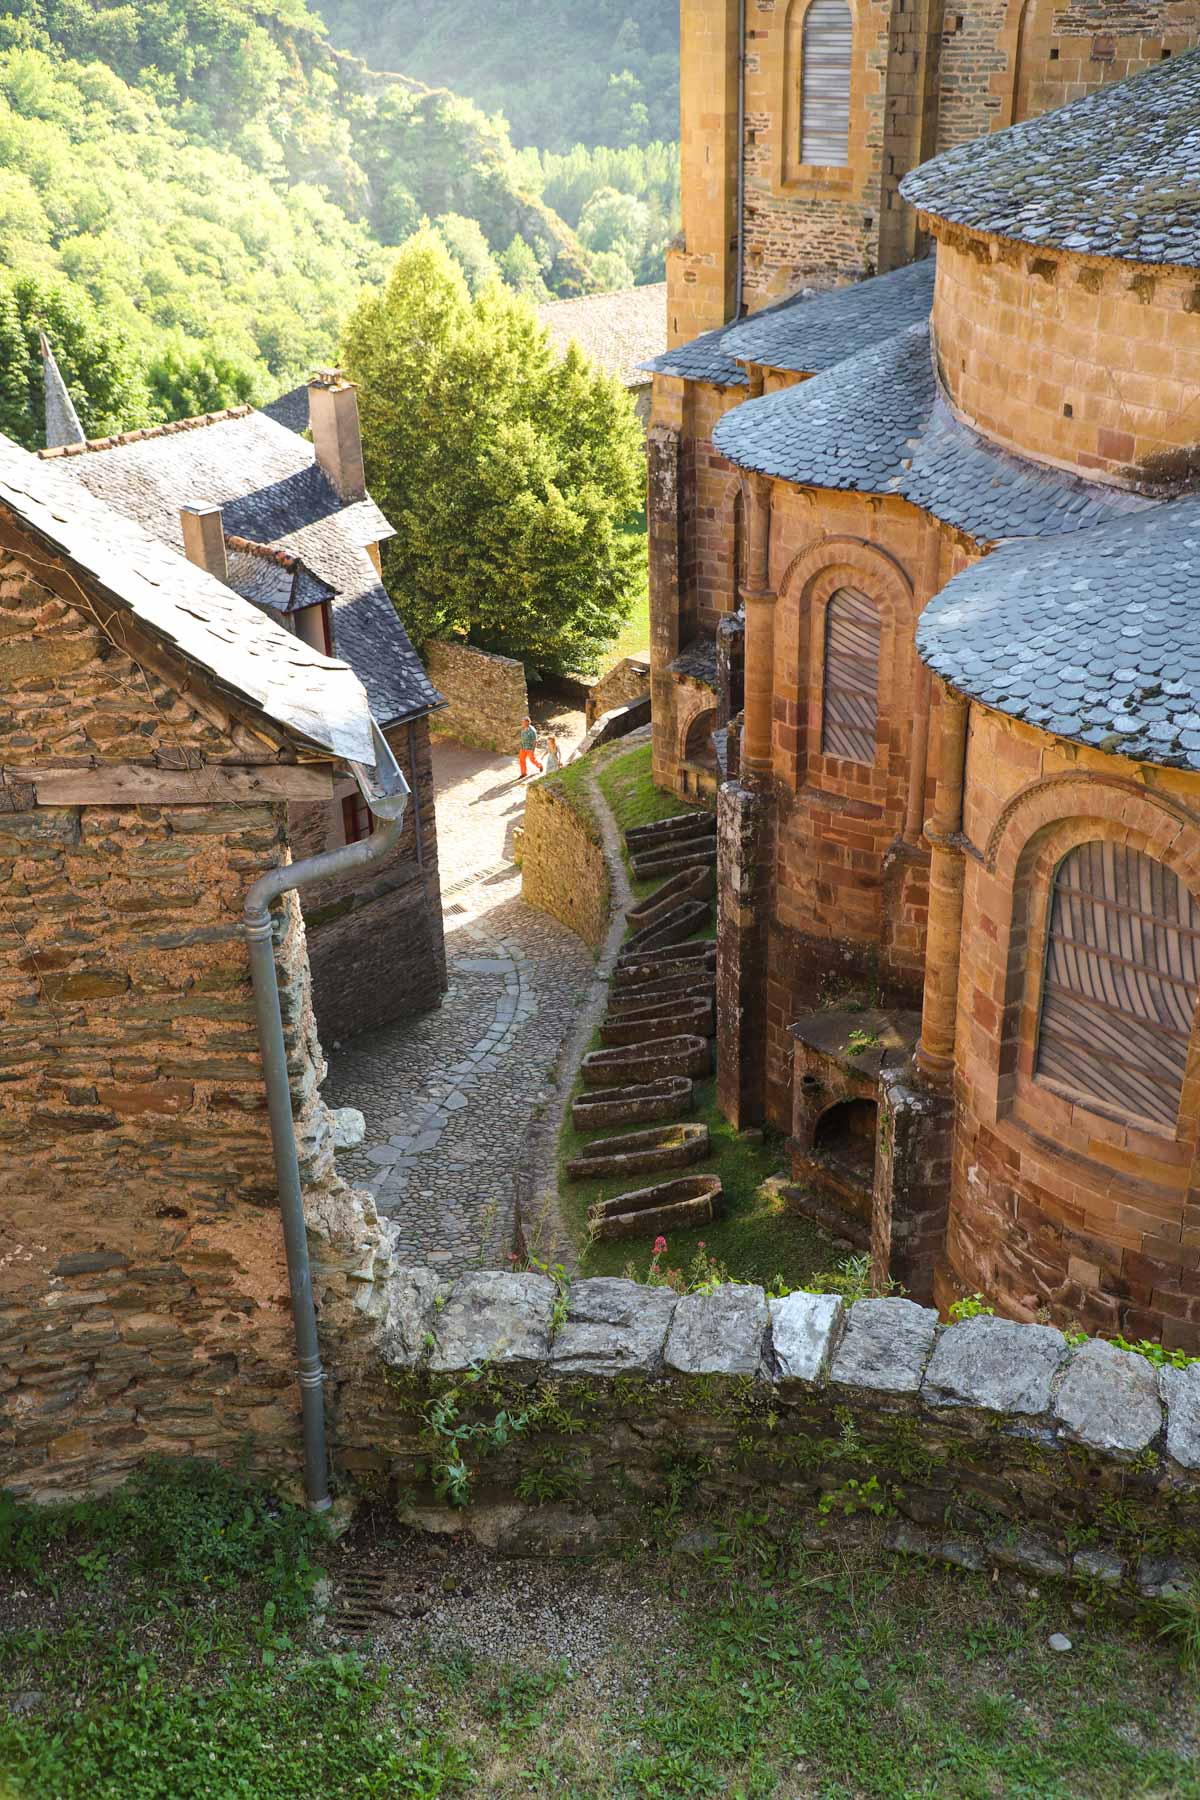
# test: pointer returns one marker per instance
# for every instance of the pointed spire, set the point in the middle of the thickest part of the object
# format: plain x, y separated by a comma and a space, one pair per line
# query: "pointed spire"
62, 421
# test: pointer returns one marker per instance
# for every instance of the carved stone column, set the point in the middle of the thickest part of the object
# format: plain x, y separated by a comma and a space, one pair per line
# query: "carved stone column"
935, 1052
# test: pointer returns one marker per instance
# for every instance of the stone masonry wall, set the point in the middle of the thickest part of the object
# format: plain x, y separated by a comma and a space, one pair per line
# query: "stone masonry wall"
487, 696
376, 946
627, 680
563, 871
144, 1303
988, 1443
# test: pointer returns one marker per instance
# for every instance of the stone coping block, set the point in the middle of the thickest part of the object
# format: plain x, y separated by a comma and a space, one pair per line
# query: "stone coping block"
1112, 1402
805, 1330
886, 1347
997, 1364
503, 1320
1109, 1399
720, 1333
613, 1327
1180, 1389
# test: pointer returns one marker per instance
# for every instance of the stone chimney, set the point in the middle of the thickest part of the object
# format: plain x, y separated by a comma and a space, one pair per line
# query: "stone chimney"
204, 539
337, 439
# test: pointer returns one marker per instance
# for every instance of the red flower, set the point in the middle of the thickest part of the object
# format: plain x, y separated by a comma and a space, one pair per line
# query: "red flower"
660, 1245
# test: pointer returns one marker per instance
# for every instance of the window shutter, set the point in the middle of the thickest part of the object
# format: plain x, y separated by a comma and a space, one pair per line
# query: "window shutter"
825, 83
850, 708
1122, 973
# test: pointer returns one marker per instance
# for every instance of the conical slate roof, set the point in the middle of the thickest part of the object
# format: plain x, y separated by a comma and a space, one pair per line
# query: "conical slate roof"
1114, 174
62, 421
1094, 637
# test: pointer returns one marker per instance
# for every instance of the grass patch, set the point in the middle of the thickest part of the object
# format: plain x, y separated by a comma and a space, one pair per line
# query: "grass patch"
755, 1238
634, 637
627, 783
572, 783
761, 1670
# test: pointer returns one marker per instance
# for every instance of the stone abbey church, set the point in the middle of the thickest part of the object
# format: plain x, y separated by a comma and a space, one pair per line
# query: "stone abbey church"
925, 546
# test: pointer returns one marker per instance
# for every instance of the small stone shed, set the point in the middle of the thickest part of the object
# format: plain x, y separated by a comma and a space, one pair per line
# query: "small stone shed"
155, 729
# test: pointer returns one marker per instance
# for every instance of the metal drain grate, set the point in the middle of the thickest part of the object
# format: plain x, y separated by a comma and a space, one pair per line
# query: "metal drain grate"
362, 1602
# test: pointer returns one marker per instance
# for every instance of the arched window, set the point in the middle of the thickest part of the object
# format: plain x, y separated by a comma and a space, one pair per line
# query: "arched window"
1121, 982
825, 83
850, 705
698, 745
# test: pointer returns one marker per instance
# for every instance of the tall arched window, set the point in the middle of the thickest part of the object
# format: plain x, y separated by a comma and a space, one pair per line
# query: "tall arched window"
1121, 982
850, 701
825, 83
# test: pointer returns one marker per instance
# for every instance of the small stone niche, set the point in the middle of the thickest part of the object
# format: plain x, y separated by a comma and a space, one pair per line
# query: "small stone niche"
870, 1143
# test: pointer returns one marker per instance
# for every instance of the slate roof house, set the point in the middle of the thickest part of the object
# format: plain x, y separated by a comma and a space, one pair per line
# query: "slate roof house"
158, 734
619, 332
959, 818
290, 525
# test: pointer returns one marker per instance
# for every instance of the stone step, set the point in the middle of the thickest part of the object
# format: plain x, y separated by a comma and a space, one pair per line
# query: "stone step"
626, 1063
640, 1152
668, 1098
687, 1201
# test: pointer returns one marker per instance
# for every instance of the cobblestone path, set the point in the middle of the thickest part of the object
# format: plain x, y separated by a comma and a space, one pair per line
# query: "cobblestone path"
453, 1099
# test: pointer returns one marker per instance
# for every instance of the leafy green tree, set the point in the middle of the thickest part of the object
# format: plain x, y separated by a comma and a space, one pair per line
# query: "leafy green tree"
466, 243
507, 474
103, 374
521, 270
185, 381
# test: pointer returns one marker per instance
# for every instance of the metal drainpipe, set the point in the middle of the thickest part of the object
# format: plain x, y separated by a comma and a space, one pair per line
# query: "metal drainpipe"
741, 158
390, 799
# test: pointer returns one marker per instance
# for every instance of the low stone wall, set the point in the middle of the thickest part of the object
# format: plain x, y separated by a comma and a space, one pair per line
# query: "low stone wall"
625, 681
562, 862
487, 696
987, 1443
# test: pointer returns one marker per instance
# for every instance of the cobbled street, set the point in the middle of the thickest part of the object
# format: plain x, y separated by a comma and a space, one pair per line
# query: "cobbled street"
453, 1098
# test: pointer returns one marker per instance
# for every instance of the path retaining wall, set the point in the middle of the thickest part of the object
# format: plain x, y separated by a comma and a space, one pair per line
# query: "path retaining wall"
486, 696
986, 1443
562, 863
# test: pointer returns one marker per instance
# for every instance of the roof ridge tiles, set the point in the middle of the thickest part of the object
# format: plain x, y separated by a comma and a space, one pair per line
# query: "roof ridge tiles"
120, 438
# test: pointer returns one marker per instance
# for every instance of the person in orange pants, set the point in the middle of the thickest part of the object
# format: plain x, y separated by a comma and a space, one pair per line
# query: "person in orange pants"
526, 752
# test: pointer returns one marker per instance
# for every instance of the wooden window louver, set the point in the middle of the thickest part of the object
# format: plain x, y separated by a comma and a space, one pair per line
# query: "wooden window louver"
850, 706
825, 83
1120, 989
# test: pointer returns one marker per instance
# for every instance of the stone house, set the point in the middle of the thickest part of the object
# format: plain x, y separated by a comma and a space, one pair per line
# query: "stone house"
837, 101
960, 860
158, 733
290, 526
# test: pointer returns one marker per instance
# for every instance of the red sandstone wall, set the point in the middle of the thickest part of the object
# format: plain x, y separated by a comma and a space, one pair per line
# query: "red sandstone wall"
850, 900
1056, 1206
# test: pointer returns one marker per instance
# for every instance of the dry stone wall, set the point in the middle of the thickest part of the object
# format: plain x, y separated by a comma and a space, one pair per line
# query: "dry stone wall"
144, 1303
625, 681
985, 1442
486, 695
563, 871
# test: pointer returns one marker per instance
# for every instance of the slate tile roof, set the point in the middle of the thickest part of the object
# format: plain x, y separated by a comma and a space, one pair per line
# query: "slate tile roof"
704, 359
270, 490
619, 332
1114, 174
699, 661
1094, 637
239, 648
270, 577
877, 424
290, 409
828, 327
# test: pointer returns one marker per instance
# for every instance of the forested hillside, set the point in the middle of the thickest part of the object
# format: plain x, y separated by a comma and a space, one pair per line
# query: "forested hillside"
192, 193
562, 73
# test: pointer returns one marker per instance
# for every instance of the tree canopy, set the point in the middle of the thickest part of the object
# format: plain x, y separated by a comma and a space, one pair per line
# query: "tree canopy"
506, 473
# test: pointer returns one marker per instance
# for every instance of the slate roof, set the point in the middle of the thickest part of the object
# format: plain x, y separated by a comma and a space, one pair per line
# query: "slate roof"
877, 424
1114, 174
270, 577
828, 327
290, 409
699, 661
1094, 637
618, 331
61, 419
704, 359
239, 648
270, 490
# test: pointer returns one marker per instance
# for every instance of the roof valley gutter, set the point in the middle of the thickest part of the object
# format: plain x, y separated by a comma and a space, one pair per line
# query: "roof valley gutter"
256, 928
741, 161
